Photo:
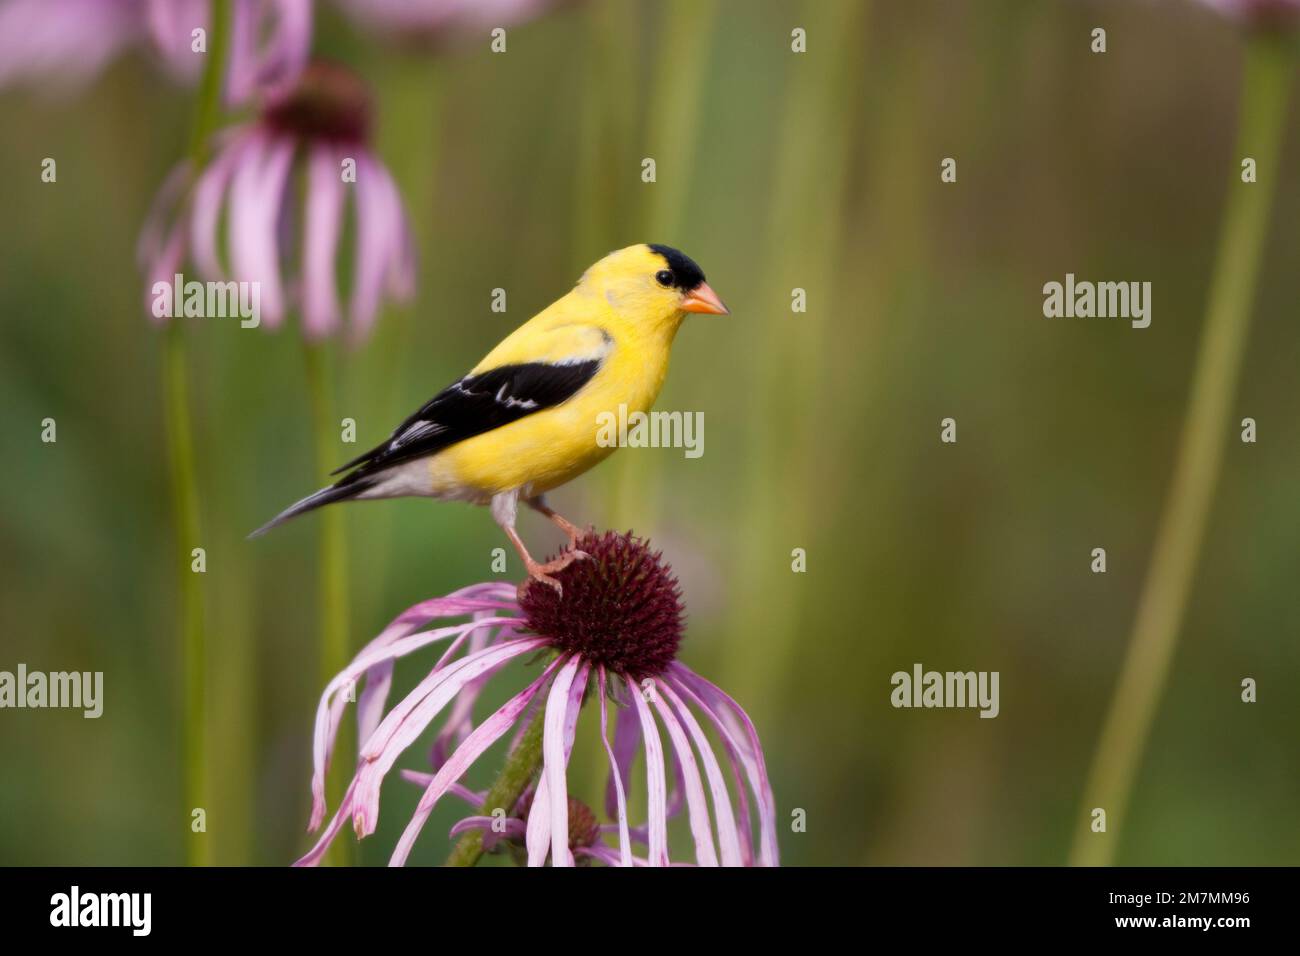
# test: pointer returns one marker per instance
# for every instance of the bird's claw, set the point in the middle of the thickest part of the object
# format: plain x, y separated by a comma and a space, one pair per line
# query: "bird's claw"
545, 579
543, 572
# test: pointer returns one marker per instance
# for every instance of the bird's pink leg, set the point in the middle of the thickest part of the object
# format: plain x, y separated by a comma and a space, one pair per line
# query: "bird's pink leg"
503, 511
564, 524
543, 572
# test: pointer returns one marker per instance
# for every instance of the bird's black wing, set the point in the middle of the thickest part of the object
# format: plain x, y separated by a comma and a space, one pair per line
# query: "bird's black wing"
474, 405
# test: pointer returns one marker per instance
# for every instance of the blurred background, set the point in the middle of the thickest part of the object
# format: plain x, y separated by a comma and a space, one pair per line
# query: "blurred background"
775, 170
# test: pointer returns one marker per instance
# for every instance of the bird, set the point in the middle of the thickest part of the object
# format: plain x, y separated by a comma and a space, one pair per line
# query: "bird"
523, 421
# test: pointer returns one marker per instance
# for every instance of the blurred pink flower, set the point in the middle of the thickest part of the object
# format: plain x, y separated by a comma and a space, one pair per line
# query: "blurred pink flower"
269, 43
323, 122
614, 634
64, 44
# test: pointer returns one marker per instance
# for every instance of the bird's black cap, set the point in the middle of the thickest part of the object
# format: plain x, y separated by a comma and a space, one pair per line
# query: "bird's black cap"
686, 274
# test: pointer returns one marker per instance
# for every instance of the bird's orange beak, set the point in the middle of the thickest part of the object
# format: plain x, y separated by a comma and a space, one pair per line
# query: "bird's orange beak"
703, 299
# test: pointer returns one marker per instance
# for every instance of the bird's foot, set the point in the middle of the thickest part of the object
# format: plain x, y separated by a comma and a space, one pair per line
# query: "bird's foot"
571, 530
543, 572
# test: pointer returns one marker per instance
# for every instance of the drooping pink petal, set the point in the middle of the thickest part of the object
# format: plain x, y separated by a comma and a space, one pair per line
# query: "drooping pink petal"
400, 274
656, 784
382, 238
171, 27
741, 737
627, 742
317, 853
739, 774
538, 837
322, 229
161, 247
510, 828
476, 599
728, 840
639, 834
480, 739
375, 764
287, 47
420, 778
257, 194
561, 717
370, 706
620, 798
676, 794
524, 724
163, 270
241, 68
206, 205
394, 642
334, 700
471, 600
460, 721
161, 217
698, 810
381, 738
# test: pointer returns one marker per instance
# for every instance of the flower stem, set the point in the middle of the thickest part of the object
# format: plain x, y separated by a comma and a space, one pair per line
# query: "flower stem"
332, 569
185, 504
208, 106
185, 495
521, 766
1205, 429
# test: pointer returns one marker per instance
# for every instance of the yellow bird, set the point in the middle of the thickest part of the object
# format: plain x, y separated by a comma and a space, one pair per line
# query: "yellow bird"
525, 419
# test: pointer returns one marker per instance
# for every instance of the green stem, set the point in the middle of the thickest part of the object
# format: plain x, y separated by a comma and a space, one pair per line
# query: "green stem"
185, 495
185, 503
1205, 430
521, 766
332, 587
208, 106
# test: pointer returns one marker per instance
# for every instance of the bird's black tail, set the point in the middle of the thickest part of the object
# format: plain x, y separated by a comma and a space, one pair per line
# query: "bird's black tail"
348, 487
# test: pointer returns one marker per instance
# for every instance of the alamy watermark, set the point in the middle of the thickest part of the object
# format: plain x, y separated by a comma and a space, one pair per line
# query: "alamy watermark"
1102, 300
78, 690
922, 688
208, 300
75, 908
651, 430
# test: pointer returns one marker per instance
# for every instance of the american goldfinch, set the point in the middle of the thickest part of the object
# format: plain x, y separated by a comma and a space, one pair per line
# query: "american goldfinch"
525, 419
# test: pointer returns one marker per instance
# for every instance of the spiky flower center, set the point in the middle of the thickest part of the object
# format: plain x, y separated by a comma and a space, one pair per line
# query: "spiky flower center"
621, 607
329, 103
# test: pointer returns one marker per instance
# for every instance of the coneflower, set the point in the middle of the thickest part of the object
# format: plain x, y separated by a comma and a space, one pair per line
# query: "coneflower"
270, 41
611, 638
67, 42
323, 124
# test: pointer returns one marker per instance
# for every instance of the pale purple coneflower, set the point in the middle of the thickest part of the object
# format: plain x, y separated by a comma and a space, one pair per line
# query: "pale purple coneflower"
323, 124
66, 43
611, 637
270, 41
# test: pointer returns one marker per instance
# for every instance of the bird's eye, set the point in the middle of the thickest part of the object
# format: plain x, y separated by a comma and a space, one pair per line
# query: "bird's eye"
664, 278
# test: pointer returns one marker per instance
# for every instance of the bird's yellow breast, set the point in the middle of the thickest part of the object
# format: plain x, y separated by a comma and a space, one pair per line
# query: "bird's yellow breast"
548, 448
